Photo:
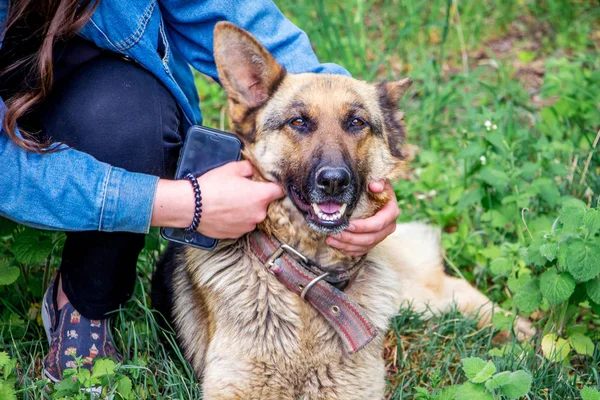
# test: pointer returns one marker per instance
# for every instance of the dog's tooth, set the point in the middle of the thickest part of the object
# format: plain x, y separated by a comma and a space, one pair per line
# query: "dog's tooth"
316, 209
342, 209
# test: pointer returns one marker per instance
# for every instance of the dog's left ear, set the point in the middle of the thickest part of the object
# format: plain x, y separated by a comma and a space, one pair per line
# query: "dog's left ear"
248, 72
389, 95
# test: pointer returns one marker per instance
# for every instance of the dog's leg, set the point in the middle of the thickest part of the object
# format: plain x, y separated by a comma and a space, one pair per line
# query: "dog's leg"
415, 250
471, 302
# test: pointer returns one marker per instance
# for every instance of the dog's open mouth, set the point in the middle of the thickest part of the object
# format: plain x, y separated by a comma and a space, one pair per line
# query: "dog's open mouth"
328, 216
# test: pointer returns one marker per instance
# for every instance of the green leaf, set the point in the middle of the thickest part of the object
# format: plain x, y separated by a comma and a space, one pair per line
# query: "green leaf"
448, 393
582, 344
124, 386
471, 391
31, 246
572, 213
486, 373
583, 260
8, 275
498, 380
494, 177
500, 266
469, 198
7, 390
472, 366
4, 358
519, 383
502, 321
547, 190
587, 393
591, 220
557, 287
528, 297
548, 250
534, 256
593, 289
554, 348
103, 367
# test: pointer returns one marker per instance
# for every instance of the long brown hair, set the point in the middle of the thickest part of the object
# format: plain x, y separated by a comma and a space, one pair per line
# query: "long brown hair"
61, 19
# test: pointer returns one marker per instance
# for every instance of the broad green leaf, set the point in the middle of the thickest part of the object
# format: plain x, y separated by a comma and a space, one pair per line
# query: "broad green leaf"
494, 177
448, 393
582, 344
583, 260
555, 349
7, 390
124, 386
557, 287
502, 321
472, 366
593, 289
588, 393
103, 367
534, 256
495, 218
591, 220
471, 391
31, 246
547, 190
486, 373
4, 358
498, 380
548, 250
528, 298
519, 383
500, 266
8, 275
572, 213
469, 198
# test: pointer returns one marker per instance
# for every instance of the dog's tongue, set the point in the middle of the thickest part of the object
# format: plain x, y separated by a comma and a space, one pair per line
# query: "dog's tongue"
329, 207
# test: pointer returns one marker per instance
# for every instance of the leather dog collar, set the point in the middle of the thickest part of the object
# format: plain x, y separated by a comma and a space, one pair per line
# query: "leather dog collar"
291, 268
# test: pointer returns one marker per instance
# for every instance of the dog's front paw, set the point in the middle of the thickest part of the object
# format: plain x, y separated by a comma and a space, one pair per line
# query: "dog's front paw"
524, 329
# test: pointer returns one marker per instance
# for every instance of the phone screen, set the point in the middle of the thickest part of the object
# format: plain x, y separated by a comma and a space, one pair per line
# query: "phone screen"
204, 149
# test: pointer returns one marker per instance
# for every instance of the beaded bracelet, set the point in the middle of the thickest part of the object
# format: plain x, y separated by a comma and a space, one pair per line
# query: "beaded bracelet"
198, 210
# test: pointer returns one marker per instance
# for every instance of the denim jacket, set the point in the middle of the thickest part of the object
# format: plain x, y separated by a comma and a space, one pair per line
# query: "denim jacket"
70, 190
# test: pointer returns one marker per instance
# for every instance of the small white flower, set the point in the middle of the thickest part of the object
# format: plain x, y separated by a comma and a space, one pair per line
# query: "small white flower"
421, 196
483, 160
487, 124
494, 127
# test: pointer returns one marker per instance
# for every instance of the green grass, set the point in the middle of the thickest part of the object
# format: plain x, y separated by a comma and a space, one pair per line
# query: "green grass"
529, 67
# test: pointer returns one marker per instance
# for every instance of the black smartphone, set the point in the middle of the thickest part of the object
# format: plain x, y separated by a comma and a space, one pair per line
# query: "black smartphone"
203, 149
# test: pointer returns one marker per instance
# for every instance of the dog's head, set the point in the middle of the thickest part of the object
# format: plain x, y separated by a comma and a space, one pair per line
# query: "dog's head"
322, 137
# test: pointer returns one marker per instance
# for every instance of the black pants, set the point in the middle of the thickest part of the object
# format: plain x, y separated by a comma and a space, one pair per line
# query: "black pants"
121, 114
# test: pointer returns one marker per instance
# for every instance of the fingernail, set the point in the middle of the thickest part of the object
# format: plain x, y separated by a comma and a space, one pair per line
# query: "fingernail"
378, 185
351, 228
332, 242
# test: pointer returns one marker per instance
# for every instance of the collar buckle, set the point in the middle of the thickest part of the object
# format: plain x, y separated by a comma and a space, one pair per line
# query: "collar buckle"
270, 263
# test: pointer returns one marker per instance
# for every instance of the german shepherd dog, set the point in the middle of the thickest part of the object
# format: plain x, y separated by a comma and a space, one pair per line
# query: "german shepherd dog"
279, 314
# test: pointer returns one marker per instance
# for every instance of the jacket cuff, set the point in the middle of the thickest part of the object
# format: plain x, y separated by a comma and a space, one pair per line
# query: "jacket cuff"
128, 200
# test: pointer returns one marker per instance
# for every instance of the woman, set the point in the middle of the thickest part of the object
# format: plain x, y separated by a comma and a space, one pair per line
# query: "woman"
95, 99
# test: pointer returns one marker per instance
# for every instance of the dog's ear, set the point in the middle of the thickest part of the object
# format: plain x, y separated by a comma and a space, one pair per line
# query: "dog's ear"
389, 95
248, 72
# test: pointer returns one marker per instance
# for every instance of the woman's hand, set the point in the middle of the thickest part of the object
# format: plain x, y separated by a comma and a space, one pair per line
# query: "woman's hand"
232, 204
364, 234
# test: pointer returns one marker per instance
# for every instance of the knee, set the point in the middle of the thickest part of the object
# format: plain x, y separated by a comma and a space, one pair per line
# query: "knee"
114, 110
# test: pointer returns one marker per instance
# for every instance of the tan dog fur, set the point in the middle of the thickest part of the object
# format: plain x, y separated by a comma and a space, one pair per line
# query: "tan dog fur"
245, 334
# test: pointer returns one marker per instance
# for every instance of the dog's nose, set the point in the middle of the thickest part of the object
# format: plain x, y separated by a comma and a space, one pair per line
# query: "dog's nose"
333, 180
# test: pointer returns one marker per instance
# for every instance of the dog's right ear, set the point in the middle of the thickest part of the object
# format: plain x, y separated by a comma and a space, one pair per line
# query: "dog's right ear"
248, 72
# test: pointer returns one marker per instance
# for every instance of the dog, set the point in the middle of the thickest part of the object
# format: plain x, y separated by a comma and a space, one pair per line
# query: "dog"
279, 314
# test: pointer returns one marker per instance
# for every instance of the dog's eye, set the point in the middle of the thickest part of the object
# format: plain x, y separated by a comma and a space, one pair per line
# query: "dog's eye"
298, 121
357, 122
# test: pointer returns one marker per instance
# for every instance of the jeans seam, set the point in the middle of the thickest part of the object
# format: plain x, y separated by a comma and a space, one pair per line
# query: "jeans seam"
104, 196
